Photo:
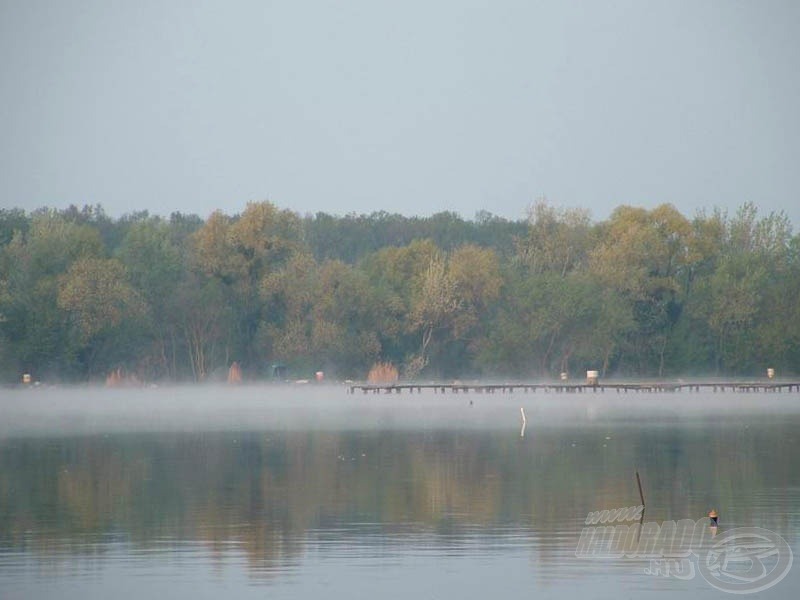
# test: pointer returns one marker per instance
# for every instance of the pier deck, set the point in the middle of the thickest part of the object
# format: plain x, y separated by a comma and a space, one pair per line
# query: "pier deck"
578, 388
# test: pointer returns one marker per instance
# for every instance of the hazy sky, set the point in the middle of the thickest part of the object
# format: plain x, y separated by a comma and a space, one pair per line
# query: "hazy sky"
406, 106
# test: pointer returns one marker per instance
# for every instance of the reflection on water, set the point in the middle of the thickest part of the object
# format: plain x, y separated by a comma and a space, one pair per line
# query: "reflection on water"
377, 506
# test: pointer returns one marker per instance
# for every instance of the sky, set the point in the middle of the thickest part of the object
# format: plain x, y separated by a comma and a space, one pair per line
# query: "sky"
413, 107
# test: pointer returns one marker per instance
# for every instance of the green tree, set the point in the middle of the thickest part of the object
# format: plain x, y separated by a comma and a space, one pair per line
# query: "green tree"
557, 241
748, 308
397, 275
323, 317
647, 256
30, 267
206, 320
240, 252
96, 294
156, 265
98, 299
435, 308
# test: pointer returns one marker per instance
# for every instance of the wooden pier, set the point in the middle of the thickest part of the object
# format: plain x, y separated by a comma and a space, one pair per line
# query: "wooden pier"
578, 388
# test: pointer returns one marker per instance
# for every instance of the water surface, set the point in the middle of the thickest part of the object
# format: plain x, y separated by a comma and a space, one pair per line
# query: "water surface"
300, 492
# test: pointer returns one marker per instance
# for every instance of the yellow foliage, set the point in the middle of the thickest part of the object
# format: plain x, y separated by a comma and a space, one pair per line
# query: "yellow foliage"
96, 293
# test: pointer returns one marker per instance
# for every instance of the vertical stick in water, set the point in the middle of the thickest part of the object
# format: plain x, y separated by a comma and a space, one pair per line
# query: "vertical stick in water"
641, 497
639, 483
524, 422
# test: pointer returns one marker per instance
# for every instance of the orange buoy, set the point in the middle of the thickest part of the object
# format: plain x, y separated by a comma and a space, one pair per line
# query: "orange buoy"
714, 516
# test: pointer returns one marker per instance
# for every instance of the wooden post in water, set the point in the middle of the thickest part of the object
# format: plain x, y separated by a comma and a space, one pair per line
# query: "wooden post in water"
641, 497
639, 483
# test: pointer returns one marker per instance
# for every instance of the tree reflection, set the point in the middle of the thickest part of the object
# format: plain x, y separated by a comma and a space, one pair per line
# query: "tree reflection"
272, 493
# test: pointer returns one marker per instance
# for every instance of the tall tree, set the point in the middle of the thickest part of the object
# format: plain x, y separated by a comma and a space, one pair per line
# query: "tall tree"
646, 256
156, 266
435, 308
98, 299
30, 267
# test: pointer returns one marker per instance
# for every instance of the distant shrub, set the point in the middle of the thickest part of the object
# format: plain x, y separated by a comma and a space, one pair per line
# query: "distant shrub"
235, 373
382, 373
119, 378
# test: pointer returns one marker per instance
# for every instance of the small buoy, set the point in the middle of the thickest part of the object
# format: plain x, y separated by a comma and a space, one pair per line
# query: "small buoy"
712, 514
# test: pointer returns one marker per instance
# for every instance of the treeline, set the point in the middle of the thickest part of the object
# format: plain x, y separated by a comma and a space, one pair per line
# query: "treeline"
644, 293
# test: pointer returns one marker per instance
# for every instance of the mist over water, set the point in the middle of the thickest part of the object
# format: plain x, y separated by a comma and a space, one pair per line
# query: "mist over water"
76, 410
303, 491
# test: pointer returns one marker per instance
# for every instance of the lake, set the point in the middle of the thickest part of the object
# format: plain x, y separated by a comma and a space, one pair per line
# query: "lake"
309, 492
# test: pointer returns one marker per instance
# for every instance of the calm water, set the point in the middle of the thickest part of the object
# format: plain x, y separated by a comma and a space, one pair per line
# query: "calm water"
311, 492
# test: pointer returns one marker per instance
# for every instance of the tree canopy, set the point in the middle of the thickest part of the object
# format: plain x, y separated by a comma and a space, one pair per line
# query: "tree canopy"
647, 292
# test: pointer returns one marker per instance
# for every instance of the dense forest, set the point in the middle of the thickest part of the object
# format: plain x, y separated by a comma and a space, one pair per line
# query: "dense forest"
645, 293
